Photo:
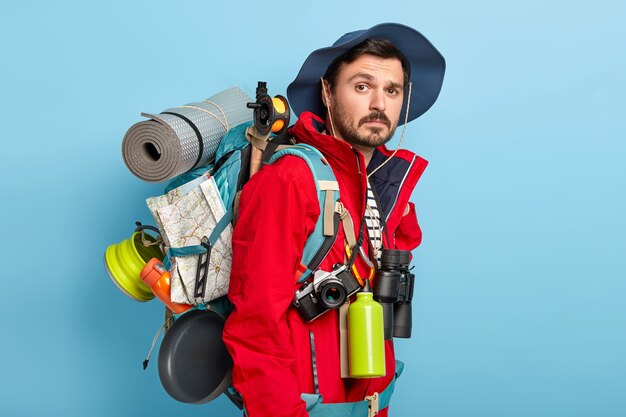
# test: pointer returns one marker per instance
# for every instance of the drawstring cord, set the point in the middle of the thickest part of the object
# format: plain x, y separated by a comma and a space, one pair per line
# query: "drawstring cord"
167, 323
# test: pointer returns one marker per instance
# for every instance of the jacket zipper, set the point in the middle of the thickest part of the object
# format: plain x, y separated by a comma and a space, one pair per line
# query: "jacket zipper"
357, 154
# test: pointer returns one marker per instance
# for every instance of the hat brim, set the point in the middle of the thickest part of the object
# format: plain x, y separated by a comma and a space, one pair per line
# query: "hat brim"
427, 70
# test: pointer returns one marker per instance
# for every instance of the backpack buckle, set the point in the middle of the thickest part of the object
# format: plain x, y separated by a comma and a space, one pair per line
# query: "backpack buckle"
372, 405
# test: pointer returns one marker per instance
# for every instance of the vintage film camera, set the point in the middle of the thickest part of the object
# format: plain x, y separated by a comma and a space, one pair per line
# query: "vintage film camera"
328, 290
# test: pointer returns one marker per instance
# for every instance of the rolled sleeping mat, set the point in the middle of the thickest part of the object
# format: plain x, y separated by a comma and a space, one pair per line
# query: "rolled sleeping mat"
194, 365
182, 138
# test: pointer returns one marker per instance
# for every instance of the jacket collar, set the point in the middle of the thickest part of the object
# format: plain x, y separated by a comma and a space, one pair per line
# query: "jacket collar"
309, 129
341, 155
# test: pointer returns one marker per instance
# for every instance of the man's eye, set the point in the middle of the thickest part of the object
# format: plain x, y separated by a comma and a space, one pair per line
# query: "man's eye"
392, 91
360, 87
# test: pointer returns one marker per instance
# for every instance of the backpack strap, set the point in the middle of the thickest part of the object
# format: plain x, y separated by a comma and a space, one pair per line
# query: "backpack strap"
369, 407
198, 249
262, 141
321, 240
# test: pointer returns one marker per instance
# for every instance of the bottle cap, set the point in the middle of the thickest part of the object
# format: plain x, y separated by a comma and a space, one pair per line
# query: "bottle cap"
152, 272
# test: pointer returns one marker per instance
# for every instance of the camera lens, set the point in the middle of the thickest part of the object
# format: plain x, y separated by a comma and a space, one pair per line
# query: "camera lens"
332, 295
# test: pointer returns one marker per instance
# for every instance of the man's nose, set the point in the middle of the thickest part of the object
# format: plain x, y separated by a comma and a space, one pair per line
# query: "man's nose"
378, 101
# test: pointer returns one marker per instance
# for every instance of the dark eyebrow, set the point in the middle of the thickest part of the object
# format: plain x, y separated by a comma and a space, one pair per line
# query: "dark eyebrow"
371, 77
361, 75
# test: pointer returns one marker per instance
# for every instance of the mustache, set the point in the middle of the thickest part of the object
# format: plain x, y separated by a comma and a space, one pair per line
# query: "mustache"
376, 115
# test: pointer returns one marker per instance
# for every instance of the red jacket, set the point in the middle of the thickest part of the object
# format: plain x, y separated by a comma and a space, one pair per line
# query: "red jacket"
266, 337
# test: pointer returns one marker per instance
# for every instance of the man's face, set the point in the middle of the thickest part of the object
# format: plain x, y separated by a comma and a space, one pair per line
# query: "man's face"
366, 100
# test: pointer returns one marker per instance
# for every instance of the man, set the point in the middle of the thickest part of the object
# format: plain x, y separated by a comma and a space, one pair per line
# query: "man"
373, 80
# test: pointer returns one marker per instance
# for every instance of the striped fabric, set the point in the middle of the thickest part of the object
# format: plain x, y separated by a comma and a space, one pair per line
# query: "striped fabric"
372, 221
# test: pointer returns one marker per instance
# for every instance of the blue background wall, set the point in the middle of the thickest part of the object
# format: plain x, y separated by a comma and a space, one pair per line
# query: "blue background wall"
519, 305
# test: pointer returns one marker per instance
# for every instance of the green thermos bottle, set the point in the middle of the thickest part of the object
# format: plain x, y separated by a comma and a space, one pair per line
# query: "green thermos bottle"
366, 336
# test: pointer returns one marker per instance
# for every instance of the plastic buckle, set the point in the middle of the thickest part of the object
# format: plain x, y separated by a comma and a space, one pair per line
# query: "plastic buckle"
372, 405
202, 268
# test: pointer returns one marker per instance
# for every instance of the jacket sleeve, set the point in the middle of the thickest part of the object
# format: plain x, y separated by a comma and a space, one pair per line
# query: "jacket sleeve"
408, 233
277, 211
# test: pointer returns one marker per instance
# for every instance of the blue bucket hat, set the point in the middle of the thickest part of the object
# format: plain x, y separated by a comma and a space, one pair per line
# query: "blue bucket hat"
427, 68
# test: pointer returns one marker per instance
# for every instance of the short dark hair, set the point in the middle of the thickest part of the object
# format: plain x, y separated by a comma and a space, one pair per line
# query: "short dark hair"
381, 48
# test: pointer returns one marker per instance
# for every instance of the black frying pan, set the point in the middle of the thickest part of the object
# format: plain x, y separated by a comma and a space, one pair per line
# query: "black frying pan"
194, 366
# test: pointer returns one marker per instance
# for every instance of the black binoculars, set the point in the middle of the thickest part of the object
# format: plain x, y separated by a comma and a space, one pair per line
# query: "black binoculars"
394, 291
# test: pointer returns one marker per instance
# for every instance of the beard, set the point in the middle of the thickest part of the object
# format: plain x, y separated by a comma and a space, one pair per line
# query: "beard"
348, 130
